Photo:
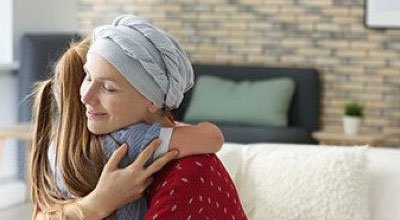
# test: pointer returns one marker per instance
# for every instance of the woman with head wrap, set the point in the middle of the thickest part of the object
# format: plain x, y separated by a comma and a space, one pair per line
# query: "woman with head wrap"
135, 74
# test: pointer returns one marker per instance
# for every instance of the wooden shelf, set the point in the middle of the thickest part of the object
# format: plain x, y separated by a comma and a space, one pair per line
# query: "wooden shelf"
19, 131
7, 67
338, 138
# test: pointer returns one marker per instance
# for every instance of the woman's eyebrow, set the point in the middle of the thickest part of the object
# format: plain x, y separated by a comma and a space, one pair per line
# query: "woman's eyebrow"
101, 78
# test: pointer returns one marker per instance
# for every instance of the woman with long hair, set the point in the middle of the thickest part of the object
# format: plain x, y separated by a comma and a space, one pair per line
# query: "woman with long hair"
125, 57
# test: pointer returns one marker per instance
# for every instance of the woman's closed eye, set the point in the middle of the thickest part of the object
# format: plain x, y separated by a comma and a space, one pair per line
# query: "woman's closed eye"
108, 87
105, 83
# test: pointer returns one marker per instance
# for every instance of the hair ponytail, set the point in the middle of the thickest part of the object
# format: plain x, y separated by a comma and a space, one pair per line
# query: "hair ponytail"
41, 136
60, 122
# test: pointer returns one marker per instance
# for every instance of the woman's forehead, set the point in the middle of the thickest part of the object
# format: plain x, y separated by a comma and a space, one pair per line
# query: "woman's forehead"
100, 69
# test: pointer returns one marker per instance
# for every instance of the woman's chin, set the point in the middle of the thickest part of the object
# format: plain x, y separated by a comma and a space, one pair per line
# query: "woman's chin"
97, 130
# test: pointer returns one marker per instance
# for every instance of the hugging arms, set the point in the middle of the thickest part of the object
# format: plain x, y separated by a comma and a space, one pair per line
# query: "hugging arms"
119, 88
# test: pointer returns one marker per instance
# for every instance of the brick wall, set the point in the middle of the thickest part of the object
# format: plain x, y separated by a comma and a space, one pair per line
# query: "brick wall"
356, 63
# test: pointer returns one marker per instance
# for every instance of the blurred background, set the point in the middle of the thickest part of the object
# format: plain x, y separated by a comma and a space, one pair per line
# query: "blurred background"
357, 56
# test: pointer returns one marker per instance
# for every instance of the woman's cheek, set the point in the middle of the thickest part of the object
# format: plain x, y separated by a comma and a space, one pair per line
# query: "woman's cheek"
126, 112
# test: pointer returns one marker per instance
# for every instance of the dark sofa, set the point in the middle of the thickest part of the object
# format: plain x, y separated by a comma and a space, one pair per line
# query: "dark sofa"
304, 109
39, 51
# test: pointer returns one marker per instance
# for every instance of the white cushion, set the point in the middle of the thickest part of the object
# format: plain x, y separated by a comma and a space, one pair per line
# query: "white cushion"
299, 181
384, 169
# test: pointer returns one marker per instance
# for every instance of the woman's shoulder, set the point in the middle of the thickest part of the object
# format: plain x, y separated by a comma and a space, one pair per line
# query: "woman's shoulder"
185, 185
193, 166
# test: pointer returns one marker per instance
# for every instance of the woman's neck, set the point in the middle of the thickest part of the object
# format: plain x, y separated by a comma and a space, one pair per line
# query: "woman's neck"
164, 121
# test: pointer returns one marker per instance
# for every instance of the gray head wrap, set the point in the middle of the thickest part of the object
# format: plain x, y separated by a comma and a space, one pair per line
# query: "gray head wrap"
150, 60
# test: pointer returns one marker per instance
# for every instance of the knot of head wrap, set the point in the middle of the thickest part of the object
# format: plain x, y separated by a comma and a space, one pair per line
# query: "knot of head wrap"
152, 61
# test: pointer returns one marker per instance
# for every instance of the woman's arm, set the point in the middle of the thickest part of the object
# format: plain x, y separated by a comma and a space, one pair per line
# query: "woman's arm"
202, 138
71, 210
132, 182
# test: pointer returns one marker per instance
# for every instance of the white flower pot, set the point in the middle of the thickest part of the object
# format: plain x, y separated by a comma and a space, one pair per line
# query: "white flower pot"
351, 125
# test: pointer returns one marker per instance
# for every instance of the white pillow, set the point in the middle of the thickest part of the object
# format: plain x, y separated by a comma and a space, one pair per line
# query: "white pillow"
299, 182
231, 156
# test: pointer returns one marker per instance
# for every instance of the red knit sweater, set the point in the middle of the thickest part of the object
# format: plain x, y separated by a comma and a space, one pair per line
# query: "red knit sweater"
191, 188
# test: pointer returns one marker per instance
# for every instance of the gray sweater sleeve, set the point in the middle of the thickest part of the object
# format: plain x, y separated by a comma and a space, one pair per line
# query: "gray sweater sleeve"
137, 137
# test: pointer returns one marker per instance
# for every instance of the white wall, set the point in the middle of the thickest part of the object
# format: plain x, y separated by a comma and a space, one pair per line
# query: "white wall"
16, 18
8, 116
38, 16
6, 54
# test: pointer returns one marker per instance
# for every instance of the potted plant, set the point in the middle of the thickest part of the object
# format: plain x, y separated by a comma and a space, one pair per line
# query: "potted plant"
353, 112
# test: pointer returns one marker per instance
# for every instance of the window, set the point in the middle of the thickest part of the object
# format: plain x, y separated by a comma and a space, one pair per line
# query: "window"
6, 45
12, 190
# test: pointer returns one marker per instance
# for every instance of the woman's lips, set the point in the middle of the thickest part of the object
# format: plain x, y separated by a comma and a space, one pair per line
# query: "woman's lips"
95, 115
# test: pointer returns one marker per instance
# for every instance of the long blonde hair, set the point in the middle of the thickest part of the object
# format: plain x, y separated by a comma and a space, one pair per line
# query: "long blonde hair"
59, 120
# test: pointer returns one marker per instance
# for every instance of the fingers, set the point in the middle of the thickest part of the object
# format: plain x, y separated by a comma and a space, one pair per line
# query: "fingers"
115, 158
146, 153
160, 162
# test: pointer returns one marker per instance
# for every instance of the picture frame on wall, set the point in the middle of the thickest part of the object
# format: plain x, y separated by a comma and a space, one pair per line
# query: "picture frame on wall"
382, 13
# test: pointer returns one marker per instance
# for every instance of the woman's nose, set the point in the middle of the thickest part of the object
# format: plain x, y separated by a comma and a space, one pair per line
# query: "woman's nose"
88, 95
